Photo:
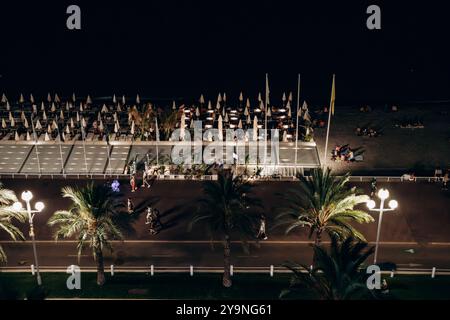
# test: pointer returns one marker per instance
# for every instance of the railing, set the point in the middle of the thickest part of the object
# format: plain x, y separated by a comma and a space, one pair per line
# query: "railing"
274, 177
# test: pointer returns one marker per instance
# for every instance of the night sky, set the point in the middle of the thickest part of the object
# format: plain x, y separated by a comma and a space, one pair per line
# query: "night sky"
172, 49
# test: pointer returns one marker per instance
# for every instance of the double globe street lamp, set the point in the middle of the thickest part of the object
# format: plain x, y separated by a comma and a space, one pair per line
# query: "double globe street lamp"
39, 206
383, 194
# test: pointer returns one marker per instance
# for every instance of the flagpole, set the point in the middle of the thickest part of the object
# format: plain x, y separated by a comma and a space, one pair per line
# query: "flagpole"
330, 109
296, 125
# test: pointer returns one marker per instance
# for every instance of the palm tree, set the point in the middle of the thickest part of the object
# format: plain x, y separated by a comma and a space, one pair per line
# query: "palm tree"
338, 275
324, 203
225, 210
7, 216
93, 218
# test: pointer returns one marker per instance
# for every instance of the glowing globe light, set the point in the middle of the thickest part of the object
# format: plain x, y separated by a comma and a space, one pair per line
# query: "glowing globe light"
383, 194
27, 196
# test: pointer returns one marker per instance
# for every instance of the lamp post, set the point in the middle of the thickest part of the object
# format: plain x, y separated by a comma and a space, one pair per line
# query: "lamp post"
39, 206
383, 194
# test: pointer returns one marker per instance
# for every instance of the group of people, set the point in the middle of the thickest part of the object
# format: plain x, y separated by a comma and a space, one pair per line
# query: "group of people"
367, 132
440, 175
343, 153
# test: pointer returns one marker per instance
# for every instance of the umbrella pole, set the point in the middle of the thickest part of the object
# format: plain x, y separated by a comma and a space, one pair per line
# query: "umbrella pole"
60, 148
35, 145
84, 147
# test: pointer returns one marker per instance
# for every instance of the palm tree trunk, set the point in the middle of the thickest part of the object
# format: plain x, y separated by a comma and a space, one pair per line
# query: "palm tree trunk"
226, 280
317, 243
100, 267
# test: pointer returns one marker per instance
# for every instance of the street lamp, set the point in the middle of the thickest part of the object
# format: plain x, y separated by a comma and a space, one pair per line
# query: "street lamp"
383, 194
39, 206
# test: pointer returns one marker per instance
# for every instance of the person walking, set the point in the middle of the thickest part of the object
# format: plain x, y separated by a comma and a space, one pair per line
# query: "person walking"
262, 229
133, 183
130, 206
445, 181
145, 182
373, 187
151, 221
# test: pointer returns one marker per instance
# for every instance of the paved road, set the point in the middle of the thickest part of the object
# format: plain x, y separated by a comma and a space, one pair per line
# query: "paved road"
186, 253
422, 222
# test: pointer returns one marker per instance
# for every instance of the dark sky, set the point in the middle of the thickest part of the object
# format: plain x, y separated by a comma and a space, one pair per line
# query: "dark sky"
184, 48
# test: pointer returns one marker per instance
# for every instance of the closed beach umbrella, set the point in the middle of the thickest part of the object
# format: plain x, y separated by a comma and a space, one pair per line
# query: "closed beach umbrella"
138, 99
218, 105
28, 136
47, 137
202, 99
116, 127
249, 120
182, 125
49, 97
99, 116
4, 98
72, 124
255, 128
123, 100
83, 122
57, 100
12, 123
22, 115
220, 127
44, 115
284, 97
101, 127
8, 107
88, 100
16, 136
21, 99
74, 98
25, 123
246, 113
259, 97
31, 98
10, 116
241, 97
209, 105
67, 129
247, 104
38, 125
114, 99
78, 117
49, 129
3, 123
240, 124
224, 97
226, 117
81, 106
53, 109
67, 106
34, 107
197, 112
119, 109
104, 108
269, 111
174, 106
219, 98
290, 96
132, 127
42, 106
61, 114
54, 125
